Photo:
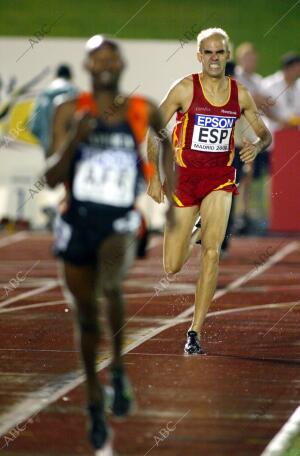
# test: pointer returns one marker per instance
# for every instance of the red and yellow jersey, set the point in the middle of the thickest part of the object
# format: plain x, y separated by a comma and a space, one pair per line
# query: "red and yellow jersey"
204, 135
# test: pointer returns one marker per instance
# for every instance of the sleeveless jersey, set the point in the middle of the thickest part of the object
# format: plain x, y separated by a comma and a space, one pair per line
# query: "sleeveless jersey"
107, 171
204, 135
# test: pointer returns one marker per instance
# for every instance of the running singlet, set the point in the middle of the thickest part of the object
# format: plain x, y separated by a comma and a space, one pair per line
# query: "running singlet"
204, 135
107, 170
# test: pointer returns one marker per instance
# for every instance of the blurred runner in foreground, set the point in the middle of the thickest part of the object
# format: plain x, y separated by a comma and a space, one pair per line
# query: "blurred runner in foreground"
95, 150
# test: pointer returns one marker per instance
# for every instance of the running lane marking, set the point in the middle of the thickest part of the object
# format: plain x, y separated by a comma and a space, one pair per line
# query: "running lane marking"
34, 306
53, 284
256, 271
37, 401
13, 238
36, 291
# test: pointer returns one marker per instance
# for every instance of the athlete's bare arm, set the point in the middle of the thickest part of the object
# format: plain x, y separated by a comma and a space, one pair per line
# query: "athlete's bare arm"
178, 98
62, 120
68, 131
157, 124
250, 111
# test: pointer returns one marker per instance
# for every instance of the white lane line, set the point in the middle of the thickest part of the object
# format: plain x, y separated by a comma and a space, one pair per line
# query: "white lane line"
284, 438
258, 307
53, 284
256, 271
46, 395
146, 294
32, 283
163, 320
34, 306
13, 238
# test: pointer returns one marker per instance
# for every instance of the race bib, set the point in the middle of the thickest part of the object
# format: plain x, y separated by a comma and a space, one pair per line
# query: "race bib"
212, 133
107, 177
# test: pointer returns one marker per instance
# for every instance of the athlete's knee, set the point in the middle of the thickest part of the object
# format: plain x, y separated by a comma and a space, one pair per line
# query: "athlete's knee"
172, 266
211, 254
112, 288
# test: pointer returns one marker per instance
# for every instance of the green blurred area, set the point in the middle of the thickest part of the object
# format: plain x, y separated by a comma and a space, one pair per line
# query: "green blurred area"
294, 450
162, 19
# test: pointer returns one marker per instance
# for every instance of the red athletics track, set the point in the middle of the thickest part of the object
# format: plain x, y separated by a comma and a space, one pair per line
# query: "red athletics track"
230, 402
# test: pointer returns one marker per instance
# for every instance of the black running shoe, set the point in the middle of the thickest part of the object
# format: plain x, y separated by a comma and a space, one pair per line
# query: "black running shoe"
123, 396
192, 346
98, 432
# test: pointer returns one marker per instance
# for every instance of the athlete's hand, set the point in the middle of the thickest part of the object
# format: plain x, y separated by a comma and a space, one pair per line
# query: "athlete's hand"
83, 124
249, 151
155, 190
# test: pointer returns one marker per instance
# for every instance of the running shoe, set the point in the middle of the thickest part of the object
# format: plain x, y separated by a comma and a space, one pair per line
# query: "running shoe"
98, 432
192, 346
123, 396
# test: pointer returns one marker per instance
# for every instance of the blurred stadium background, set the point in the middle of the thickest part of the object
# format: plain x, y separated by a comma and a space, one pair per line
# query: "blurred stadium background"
161, 20
158, 38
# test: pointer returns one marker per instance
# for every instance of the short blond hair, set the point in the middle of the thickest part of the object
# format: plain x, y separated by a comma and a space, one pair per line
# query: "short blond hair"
243, 48
207, 33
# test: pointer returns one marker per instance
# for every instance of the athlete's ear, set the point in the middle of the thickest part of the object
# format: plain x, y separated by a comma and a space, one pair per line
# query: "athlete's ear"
199, 56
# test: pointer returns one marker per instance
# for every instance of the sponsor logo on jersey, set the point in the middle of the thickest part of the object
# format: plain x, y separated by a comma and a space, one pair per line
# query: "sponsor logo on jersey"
202, 108
212, 133
214, 121
228, 112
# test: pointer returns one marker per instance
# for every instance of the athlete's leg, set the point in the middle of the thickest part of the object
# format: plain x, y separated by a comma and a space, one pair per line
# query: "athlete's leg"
177, 239
214, 211
115, 257
81, 282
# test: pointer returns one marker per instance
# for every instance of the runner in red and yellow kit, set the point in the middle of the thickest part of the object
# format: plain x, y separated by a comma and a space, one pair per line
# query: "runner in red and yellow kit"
206, 129
207, 106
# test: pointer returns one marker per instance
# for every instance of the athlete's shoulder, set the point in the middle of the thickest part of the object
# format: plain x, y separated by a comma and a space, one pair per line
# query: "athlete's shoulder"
137, 100
140, 103
243, 92
244, 97
182, 83
180, 89
240, 86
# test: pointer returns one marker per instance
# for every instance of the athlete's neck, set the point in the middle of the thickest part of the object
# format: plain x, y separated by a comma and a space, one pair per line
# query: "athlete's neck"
105, 98
212, 84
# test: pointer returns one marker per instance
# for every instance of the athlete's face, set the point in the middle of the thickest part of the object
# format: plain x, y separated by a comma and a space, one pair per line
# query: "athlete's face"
105, 66
213, 55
